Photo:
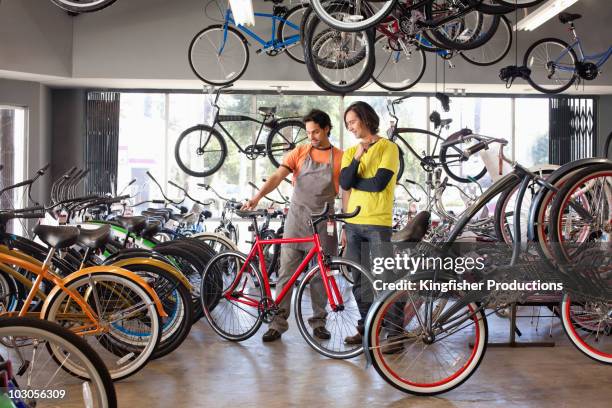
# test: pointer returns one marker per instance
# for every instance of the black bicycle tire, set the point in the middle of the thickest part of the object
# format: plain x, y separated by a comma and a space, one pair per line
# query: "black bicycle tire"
505, 24
317, 77
366, 26
85, 9
513, 4
281, 25
273, 131
571, 52
452, 175
410, 85
213, 133
244, 43
444, 42
398, 136
74, 340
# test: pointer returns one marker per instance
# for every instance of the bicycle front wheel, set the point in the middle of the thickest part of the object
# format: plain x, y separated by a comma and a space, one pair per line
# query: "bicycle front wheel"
399, 65
200, 151
34, 344
294, 50
553, 65
131, 325
218, 55
493, 50
415, 359
313, 309
589, 327
232, 296
284, 138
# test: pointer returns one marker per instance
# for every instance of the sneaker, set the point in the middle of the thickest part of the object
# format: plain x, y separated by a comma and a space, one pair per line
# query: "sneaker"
271, 335
394, 345
321, 333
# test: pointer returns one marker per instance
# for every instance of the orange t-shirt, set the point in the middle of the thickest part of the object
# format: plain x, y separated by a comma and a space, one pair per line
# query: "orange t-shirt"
295, 159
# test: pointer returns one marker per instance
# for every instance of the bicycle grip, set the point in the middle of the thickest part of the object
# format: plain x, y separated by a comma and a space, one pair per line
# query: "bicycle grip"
206, 186
158, 202
475, 149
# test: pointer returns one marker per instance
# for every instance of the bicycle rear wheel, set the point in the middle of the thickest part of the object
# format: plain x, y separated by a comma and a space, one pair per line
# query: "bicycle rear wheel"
232, 296
200, 151
218, 55
451, 157
422, 362
38, 343
285, 32
283, 138
553, 65
312, 309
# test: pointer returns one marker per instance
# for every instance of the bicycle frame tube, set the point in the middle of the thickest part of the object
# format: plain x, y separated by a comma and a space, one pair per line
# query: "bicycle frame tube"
565, 52
272, 42
331, 289
601, 58
228, 134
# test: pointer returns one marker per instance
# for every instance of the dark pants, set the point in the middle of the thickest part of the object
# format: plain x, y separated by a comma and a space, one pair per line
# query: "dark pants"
356, 236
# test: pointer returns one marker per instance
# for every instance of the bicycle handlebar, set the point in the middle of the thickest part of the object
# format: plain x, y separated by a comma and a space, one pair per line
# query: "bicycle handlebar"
172, 183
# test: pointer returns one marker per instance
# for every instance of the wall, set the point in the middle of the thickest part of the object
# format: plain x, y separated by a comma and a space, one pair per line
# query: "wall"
35, 37
37, 98
149, 39
67, 129
604, 125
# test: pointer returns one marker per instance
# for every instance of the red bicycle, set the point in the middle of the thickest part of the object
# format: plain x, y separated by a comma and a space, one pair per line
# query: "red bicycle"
237, 299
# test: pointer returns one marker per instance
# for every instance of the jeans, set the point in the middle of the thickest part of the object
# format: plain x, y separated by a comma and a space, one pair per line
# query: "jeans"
356, 235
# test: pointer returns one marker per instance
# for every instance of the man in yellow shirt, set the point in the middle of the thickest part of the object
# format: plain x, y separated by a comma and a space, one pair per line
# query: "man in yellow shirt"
368, 177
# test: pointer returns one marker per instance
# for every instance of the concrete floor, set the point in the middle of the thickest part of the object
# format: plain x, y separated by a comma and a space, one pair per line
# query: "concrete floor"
207, 371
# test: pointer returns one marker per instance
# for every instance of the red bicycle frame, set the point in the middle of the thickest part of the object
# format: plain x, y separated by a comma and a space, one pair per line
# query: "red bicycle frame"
331, 288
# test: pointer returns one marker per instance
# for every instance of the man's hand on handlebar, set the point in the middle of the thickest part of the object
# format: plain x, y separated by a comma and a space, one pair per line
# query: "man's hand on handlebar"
250, 205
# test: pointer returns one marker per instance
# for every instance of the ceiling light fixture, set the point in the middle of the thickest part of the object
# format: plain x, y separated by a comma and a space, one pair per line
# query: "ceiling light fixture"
544, 13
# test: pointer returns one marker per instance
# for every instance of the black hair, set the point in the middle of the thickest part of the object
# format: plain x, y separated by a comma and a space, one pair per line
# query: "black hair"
366, 114
319, 117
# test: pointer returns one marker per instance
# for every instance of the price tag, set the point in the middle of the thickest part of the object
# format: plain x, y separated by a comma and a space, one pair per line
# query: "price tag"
330, 228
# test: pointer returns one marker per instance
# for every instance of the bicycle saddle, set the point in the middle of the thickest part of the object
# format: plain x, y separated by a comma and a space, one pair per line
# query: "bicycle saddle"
132, 224
568, 17
94, 238
266, 110
457, 135
438, 121
57, 236
415, 230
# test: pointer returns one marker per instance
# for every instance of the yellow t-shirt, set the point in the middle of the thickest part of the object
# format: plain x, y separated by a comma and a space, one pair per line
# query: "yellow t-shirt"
376, 208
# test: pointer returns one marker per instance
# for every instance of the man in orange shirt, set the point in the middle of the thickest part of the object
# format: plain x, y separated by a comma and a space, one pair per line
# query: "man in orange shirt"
316, 181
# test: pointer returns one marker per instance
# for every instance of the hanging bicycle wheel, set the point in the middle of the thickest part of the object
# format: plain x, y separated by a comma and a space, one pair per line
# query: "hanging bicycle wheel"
286, 32
462, 33
232, 296
36, 350
416, 352
457, 167
200, 151
218, 55
364, 14
312, 309
588, 324
493, 50
552, 64
519, 3
338, 62
285, 137
399, 65
82, 6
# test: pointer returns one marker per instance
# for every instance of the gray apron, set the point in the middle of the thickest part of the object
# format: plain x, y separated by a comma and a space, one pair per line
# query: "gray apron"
314, 187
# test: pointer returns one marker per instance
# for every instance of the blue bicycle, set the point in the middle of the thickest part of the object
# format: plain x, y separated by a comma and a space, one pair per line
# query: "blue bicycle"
555, 65
219, 54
